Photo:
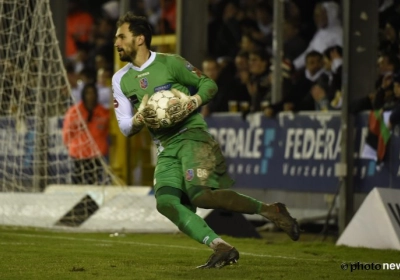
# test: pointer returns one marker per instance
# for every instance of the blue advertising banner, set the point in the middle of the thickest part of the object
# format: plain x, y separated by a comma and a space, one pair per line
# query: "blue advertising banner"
296, 152
57, 155
23, 149
293, 152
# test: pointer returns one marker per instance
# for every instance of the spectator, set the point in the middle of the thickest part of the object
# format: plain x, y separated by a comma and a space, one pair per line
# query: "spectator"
387, 10
293, 43
259, 82
153, 12
388, 63
302, 11
111, 9
74, 81
85, 132
319, 93
79, 27
87, 76
395, 115
229, 33
241, 78
168, 17
249, 44
386, 104
299, 97
388, 95
333, 60
390, 36
242, 61
329, 33
101, 62
226, 90
82, 57
264, 23
104, 87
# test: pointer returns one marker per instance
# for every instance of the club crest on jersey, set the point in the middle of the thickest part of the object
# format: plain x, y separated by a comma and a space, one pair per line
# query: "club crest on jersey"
144, 83
116, 104
189, 175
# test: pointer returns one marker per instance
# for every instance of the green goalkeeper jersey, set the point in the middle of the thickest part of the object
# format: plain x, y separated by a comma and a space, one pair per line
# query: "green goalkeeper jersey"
159, 72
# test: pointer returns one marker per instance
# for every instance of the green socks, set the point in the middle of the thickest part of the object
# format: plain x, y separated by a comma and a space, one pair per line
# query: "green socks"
187, 221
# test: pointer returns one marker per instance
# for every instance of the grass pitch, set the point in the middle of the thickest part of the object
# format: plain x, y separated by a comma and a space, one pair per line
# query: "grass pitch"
39, 254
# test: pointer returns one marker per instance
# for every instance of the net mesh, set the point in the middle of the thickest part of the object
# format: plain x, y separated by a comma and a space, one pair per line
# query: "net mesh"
34, 98
36, 169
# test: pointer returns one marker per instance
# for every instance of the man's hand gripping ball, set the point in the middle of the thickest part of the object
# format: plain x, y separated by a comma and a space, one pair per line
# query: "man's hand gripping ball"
186, 105
146, 115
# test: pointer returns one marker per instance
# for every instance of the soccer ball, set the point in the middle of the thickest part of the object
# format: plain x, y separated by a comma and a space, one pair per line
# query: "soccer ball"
160, 101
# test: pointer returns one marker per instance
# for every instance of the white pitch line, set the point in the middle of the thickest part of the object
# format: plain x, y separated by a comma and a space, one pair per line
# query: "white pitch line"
16, 243
158, 245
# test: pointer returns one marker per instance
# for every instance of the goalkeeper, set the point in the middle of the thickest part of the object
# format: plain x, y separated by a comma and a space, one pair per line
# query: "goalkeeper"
191, 170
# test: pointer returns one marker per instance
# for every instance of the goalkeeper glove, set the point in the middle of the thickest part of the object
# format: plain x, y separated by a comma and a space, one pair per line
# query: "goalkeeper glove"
145, 115
186, 105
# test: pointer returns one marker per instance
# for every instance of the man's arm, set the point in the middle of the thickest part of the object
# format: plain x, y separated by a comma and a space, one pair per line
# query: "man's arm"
124, 111
188, 75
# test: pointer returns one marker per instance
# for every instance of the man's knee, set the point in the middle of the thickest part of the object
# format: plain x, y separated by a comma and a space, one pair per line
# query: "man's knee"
166, 204
204, 199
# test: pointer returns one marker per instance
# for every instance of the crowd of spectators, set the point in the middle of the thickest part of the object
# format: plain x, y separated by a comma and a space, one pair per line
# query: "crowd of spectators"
89, 49
240, 35
239, 46
89, 64
240, 51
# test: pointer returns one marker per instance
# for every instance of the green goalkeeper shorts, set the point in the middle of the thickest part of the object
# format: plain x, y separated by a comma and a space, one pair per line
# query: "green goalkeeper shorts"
191, 162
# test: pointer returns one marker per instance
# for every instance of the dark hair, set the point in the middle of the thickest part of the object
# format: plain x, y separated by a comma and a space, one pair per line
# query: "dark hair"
293, 22
261, 54
138, 25
327, 52
89, 72
314, 54
243, 54
85, 88
393, 59
396, 77
264, 7
210, 59
69, 67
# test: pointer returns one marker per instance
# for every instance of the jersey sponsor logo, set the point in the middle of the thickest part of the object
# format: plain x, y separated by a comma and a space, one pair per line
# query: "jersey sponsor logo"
144, 83
142, 75
189, 175
116, 104
163, 87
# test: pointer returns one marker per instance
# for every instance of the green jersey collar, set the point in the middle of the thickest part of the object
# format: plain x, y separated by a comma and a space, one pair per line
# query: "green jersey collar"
147, 63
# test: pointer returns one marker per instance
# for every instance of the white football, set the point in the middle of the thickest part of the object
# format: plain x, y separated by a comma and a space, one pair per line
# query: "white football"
160, 101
